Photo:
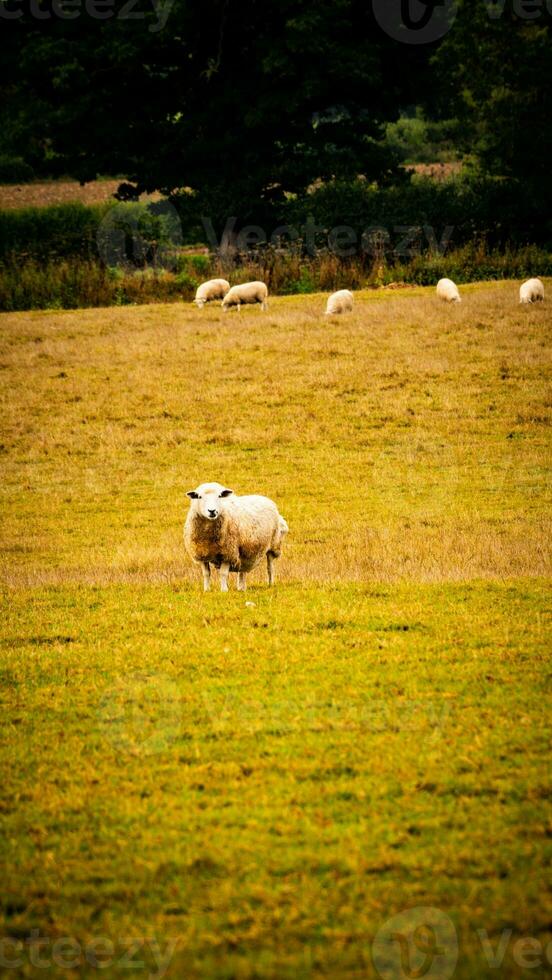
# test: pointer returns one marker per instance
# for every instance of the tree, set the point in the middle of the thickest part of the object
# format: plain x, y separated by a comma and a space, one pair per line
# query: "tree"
492, 72
244, 101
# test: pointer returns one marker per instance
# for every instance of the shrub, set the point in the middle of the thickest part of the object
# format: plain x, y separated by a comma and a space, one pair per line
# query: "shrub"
129, 234
418, 140
472, 263
499, 211
186, 282
14, 170
58, 285
63, 230
72, 283
193, 268
201, 264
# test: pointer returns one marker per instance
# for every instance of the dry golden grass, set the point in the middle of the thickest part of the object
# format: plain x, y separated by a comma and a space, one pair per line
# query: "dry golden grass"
42, 194
437, 171
409, 440
261, 788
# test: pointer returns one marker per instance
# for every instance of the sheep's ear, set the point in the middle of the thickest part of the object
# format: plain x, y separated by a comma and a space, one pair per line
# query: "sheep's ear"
192, 495
225, 493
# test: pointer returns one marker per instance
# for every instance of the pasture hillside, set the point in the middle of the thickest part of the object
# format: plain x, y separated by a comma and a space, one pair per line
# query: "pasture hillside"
262, 781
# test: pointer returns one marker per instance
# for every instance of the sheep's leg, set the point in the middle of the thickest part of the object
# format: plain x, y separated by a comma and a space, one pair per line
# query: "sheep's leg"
206, 576
264, 305
270, 568
224, 570
241, 582
239, 307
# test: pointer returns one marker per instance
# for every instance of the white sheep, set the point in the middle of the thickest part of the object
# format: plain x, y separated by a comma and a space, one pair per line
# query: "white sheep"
247, 292
447, 290
232, 533
532, 291
210, 290
340, 302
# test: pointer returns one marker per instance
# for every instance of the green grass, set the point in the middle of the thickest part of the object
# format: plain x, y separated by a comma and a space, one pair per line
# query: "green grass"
263, 786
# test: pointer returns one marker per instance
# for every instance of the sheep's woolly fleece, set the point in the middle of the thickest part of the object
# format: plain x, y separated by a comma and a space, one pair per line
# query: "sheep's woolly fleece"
447, 290
211, 290
247, 529
531, 291
340, 302
247, 292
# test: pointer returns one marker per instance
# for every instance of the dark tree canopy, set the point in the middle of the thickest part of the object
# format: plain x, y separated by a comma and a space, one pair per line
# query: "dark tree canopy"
493, 71
239, 97
245, 101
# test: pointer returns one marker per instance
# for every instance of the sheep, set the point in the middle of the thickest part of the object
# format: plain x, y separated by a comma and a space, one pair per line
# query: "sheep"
531, 291
447, 290
212, 289
340, 302
232, 533
247, 292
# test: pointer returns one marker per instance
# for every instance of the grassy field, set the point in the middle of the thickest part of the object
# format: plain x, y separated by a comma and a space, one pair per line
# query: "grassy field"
42, 194
255, 790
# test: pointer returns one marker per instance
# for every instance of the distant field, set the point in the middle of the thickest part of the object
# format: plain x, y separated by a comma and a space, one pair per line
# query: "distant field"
41, 195
438, 171
264, 786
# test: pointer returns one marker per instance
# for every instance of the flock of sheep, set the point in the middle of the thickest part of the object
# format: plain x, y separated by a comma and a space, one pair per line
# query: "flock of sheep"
238, 296
235, 533
531, 291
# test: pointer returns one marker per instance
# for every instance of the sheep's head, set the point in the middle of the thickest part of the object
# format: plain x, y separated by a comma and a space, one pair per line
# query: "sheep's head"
199, 302
208, 499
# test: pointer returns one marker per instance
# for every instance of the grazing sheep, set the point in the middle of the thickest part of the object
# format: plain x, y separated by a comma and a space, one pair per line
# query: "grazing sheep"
447, 290
532, 291
210, 290
247, 292
232, 533
340, 302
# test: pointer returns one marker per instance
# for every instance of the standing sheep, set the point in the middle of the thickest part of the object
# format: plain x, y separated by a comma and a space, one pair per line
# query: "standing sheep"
210, 290
248, 292
340, 302
232, 533
532, 291
447, 290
